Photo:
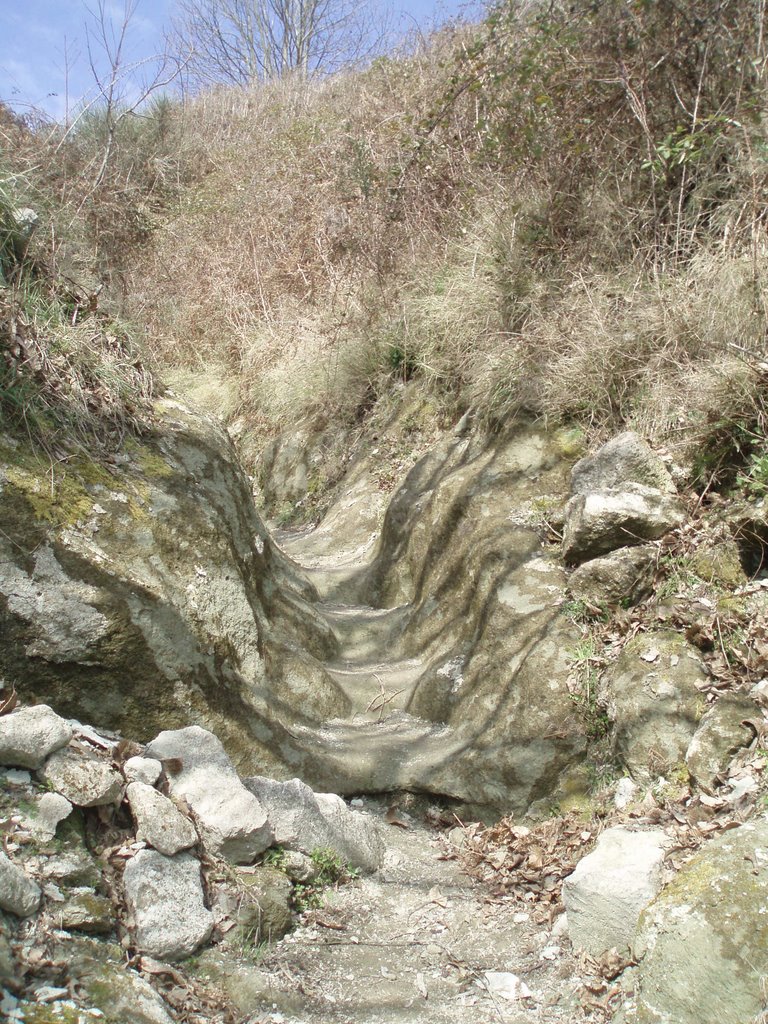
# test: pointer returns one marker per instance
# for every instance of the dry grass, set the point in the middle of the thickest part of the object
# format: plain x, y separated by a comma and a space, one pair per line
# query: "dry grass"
544, 215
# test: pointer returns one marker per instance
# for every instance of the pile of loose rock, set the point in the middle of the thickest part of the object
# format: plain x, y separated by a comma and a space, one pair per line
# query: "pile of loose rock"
113, 851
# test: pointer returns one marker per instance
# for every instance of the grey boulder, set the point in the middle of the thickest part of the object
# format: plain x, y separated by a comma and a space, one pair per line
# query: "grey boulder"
166, 900
602, 521
622, 575
50, 809
719, 736
29, 735
652, 696
703, 942
142, 769
84, 780
233, 823
305, 821
625, 459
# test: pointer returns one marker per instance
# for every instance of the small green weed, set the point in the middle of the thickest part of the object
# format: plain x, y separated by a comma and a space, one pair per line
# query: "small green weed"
586, 660
332, 871
754, 481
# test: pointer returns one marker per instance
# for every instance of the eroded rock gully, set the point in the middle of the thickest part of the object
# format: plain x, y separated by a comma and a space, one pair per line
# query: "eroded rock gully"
426, 652
430, 659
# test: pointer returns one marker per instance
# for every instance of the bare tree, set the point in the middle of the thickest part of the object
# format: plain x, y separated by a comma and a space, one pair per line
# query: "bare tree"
122, 85
243, 41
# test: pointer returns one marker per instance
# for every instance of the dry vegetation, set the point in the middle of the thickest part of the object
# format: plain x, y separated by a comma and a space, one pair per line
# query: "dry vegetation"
561, 211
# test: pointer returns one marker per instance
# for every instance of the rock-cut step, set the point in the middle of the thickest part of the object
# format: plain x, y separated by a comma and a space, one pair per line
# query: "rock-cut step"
364, 633
378, 689
359, 756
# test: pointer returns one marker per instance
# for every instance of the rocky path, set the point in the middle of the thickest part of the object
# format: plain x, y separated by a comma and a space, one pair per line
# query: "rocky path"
420, 941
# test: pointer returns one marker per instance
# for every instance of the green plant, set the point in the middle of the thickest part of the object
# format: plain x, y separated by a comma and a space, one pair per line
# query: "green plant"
332, 871
587, 660
754, 479
275, 857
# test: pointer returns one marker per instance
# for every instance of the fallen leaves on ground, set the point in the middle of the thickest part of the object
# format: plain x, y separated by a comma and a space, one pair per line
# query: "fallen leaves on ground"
529, 863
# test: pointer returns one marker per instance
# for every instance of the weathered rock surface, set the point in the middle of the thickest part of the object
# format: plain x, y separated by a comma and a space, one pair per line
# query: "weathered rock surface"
259, 907
622, 496
703, 942
233, 823
623, 575
87, 912
719, 736
166, 900
18, 894
158, 821
601, 521
307, 821
653, 699
29, 735
625, 459
719, 562
106, 984
611, 886
83, 779
154, 593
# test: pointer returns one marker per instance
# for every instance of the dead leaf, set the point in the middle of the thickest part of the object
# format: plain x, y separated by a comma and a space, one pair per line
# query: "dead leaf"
393, 818
8, 700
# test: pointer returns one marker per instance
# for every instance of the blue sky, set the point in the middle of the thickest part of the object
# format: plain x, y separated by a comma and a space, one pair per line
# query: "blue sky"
44, 61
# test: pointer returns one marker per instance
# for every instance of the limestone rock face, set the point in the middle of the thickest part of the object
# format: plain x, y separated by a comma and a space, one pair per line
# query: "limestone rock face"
84, 780
155, 599
18, 894
307, 821
234, 824
153, 594
703, 942
29, 735
165, 897
611, 886
158, 821
652, 698
460, 595
718, 737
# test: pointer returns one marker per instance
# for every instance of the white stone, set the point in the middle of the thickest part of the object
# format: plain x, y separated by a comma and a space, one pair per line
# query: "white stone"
232, 822
165, 898
611, 886
142, 769
84, 780
18, 894
625, 793
158, 821
50, 809
29, 735
307, 821
506, 985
